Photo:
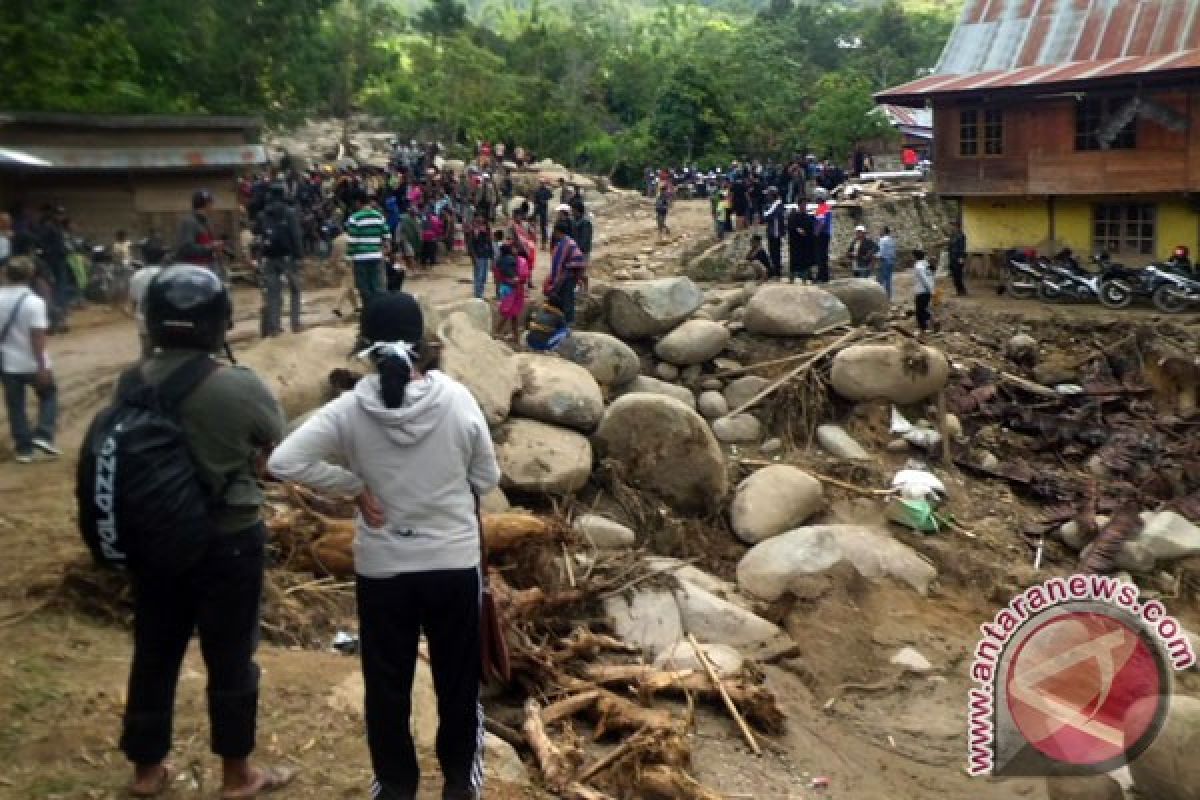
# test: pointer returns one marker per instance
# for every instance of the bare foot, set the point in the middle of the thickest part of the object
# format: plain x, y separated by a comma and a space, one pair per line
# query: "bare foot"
259, 781
150, 780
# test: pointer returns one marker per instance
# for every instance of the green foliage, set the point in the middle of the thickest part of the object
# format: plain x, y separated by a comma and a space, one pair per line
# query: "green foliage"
843, 115
612, 84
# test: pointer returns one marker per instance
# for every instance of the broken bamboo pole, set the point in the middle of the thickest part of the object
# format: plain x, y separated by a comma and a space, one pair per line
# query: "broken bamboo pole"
794, 373
850, 487
729, 704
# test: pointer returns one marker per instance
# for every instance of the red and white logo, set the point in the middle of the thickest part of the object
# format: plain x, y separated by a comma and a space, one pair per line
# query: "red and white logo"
1073, 677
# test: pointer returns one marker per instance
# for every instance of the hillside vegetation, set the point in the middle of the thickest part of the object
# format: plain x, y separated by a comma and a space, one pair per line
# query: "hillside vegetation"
612, 85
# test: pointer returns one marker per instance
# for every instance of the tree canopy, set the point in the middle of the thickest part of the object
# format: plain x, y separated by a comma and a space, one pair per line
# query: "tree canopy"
614, 84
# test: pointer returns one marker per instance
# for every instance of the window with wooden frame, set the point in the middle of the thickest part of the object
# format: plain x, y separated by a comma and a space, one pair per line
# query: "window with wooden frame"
968, 132
1092, 113
980, 132
993, 132
1124, 229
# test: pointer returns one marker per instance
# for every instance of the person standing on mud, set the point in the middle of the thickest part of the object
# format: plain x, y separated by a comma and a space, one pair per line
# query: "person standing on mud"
957, 254
229, 421
541, 212
417, 455
368, 237
775, 221
282, 248
24, 325
568, 269
195, 242
824, 234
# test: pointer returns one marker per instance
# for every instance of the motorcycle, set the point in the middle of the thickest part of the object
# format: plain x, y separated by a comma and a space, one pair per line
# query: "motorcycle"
1168, 280
1064, 279
1175, 292
1024, 275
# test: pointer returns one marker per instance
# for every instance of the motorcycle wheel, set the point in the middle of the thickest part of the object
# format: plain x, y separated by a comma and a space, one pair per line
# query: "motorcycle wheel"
1116, 294
1167, 300
1016, 289
1049, 293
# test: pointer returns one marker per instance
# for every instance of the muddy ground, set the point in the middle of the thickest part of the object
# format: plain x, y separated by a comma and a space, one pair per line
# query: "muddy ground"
852, 717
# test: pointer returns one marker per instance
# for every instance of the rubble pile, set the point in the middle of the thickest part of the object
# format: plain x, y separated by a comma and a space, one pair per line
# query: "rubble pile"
681, 472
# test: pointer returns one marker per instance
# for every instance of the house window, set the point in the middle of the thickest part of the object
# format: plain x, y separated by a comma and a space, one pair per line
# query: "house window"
981, 132
1092, 115
993, 132
968, 133
1126, 229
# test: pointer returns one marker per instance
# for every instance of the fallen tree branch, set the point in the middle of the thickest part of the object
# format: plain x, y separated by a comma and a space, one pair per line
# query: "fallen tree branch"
556, 765
673, 784
570, 706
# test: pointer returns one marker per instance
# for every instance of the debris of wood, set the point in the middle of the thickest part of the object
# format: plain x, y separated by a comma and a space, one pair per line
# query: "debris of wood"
556, 763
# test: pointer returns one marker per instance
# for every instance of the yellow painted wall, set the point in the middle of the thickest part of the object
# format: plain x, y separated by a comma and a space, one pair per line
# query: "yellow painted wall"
1073, 224
1004, 222
1001, 223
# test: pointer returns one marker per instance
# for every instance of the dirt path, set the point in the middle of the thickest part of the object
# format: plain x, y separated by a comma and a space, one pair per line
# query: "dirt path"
62, 676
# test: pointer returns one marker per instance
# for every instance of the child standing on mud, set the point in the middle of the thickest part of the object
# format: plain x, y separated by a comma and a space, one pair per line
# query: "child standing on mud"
512, 275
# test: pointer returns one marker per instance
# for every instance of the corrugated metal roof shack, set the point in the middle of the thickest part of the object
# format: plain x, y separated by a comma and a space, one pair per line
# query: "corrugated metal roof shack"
125, 172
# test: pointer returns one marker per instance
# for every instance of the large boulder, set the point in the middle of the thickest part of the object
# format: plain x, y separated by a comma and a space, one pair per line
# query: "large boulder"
712, 405
556, 391
738, 429
643, 384
793, 310
838, 443
744, 389
650, 308
610, 360
479, 311
1169, 769
713, 619
788, 561
1168, 535
900, 374
536, 457
603, 533
666, 447
486, 367
647, 618
774, 500
296, 368
862, 297
727, 661
693, 342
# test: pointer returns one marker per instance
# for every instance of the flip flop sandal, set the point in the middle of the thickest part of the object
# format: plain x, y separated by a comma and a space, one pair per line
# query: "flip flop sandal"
164, 782
272, 780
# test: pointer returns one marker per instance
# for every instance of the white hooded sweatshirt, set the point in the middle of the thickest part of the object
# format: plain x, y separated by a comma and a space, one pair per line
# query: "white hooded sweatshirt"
424, 461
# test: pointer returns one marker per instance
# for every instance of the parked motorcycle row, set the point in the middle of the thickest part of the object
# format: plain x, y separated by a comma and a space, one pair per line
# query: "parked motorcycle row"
1172, 286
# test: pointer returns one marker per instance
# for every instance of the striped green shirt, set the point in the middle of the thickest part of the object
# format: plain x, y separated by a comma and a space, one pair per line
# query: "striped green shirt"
366, 231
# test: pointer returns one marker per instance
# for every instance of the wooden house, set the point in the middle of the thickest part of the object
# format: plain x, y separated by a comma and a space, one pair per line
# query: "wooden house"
115, 172
1070, 120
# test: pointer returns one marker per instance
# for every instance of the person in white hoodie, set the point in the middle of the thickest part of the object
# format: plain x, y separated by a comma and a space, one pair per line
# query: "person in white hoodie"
417, 454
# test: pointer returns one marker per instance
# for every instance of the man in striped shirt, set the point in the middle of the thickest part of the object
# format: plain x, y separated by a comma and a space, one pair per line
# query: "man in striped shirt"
368, 239
568, 269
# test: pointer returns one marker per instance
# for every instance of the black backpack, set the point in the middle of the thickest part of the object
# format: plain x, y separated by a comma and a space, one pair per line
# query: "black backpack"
142, 505
276, 234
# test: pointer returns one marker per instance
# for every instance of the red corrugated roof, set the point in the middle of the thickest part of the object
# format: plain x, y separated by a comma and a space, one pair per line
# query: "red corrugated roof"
1012, 43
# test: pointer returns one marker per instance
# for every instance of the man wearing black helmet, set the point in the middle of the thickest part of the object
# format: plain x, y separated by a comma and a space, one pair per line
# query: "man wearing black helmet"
230, 422
278, 231
194, 239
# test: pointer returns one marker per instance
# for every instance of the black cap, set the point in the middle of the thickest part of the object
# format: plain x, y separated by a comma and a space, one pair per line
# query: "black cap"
393, 317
